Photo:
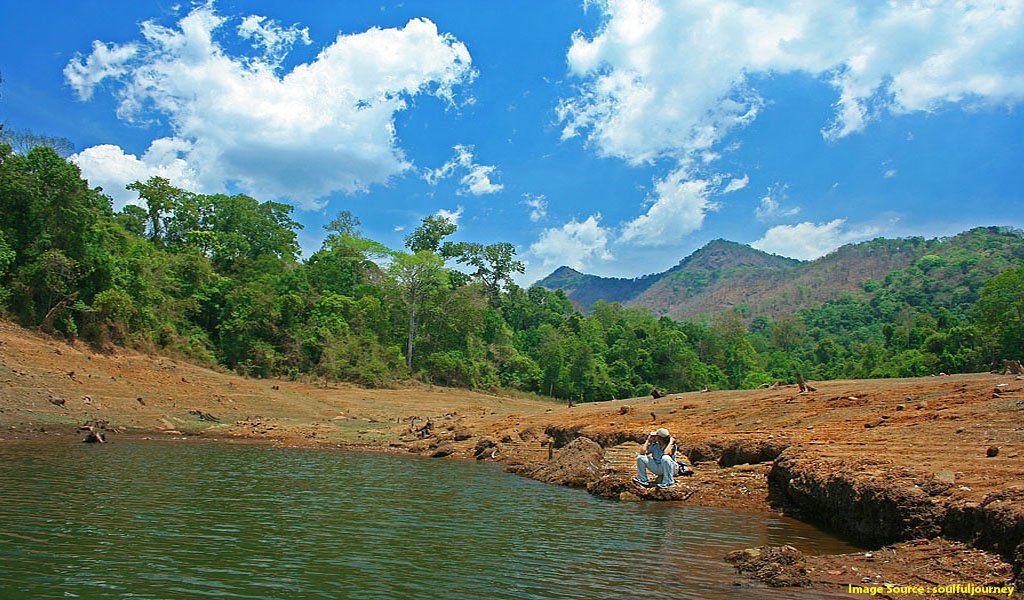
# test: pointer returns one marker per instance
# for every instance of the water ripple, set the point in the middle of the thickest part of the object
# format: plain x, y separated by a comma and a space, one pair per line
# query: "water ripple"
160, 519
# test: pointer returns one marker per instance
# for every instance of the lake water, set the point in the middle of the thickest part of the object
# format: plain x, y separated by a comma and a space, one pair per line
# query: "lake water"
161, 519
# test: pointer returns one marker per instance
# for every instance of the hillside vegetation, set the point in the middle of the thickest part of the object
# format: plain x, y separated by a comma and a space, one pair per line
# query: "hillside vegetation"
217, 279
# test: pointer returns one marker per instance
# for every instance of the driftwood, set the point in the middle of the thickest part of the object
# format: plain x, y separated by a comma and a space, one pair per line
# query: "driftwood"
656, 393
1013, 367
804, 386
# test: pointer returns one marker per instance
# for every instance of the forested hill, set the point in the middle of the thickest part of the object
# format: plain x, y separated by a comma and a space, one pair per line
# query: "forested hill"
725, 275
216, 279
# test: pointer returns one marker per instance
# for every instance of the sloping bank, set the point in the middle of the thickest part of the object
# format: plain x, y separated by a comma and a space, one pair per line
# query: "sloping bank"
869, 501
896, 505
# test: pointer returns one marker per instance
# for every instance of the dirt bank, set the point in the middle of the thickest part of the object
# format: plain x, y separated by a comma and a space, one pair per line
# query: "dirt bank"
879, 461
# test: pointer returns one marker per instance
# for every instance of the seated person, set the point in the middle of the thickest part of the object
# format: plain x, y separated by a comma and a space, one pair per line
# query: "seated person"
658, 457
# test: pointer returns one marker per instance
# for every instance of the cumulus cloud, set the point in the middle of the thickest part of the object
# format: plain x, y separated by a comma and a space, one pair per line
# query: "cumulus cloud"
677, 209
807, 241
475, 181
771, 206
576, 244
105, 60
671, 79
538, 206
324, 126
111, 168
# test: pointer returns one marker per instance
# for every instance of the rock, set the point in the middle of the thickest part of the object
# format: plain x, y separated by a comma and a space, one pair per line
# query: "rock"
95, 437
485, 448
442, 451
900, 407
992, 452
462, 434
777, 566
874, 423
576, 464
628, 497
623, 410
945, 477
57, 401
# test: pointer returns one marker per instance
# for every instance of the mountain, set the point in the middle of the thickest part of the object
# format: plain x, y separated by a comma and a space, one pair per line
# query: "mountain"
723, 275
584, 289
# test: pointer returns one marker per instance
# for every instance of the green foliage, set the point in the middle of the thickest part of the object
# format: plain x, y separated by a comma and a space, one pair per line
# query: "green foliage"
216, 279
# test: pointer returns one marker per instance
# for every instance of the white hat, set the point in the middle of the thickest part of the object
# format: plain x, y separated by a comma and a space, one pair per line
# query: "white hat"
662, 432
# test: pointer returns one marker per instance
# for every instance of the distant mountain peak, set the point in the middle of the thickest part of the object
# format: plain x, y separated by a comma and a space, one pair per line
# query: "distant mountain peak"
563, 272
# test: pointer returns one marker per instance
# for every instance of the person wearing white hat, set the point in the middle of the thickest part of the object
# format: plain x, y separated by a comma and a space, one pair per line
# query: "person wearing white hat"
658, 457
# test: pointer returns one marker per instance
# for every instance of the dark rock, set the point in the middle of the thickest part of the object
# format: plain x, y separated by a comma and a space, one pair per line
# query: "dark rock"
485, 448
442, 451
577, 464
95, 437
777, 566
622, 487
623, 410
992, 452
461, 434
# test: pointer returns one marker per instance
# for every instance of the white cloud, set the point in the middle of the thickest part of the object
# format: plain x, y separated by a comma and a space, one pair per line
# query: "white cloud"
771, 204
678, 207
889, 173
324, 126
672, 79
576, 244
477, 178
807, 241
736, 184
104, 61
398, 228
538, 206
111, 168
275, 41
452, 216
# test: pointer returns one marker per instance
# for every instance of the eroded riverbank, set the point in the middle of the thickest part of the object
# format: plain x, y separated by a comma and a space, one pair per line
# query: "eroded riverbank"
883, 462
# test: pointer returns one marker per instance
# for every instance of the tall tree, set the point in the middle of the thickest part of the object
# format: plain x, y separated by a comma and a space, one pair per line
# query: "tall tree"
417, 276
161, 198
494, 263
429, 235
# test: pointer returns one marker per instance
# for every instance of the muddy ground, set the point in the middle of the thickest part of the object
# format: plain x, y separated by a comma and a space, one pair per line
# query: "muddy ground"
925, 473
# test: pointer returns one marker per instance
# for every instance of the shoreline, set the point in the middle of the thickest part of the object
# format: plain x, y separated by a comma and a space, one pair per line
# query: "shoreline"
880, 462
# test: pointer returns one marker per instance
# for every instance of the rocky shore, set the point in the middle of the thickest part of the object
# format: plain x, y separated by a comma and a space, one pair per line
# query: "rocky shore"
926, 474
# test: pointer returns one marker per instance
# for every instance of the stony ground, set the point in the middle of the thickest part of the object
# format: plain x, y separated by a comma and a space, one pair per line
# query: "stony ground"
884, 460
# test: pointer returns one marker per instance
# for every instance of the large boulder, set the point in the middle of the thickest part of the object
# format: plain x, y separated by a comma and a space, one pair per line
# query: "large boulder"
577, 464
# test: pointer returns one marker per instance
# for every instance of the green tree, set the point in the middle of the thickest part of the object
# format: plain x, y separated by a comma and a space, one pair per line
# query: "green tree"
417, 276
999, 313
429, 235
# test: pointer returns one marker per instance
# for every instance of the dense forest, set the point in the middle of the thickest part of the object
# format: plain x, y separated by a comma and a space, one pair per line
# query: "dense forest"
217, 279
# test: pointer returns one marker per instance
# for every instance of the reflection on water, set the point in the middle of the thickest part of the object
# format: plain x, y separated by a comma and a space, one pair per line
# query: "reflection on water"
163, 519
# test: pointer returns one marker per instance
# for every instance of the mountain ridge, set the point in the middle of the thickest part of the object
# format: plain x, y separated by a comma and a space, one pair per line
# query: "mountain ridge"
722, 275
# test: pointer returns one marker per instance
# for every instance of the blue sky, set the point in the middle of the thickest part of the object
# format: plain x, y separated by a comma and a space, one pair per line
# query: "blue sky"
615, 137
